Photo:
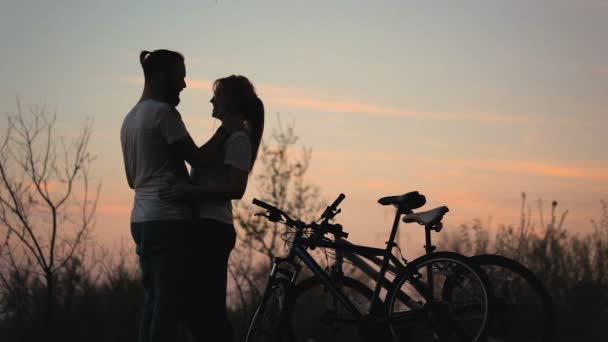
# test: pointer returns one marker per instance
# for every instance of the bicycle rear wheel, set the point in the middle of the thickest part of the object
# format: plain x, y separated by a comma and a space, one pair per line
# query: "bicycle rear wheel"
418, 311
524, 309
268, 323
316, 315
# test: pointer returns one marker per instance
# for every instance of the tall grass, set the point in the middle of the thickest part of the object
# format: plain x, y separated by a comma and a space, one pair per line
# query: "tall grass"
102, 303
573, 267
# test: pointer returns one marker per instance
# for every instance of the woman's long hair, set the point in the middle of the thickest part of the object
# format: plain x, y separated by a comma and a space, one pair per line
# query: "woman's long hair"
241, 97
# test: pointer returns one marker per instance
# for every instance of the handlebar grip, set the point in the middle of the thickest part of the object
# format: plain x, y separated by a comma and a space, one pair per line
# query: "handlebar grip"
263, 204
337, 201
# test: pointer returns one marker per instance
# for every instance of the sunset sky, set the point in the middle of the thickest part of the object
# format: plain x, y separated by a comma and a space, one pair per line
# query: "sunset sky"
468, 102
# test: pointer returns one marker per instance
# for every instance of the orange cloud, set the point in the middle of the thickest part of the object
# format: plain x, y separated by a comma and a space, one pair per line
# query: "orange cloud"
588, 172
313, 100
336, 106
536, 168
346, 106
592, 173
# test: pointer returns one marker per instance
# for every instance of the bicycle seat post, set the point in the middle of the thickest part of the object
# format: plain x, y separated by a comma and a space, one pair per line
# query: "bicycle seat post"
428, 247
391, 240
389, 247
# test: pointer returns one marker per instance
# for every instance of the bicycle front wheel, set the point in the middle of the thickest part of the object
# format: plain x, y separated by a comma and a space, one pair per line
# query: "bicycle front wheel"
268, 323
418, 310
317, 315
524, 309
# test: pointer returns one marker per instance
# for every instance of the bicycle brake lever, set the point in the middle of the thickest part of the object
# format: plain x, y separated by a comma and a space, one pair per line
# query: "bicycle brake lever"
329, 215
265, 215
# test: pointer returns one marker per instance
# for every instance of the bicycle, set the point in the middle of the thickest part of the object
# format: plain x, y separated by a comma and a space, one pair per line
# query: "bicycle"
523, 309
347, 310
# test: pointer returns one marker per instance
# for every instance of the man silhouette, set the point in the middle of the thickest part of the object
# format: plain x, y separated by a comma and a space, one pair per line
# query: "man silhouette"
155, 144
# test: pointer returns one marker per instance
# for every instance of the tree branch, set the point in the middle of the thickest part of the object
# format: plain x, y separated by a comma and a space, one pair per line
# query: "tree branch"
16, 210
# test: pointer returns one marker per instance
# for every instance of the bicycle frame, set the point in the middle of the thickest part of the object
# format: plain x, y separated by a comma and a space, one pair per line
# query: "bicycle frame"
384, 258
351, 252
345, 249
298, 251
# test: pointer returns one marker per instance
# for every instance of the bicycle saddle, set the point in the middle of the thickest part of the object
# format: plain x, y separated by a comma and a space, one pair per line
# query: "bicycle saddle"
427, 218
411, 200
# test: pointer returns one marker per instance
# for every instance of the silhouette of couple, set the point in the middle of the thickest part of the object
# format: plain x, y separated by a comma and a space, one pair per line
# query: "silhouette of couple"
182, 223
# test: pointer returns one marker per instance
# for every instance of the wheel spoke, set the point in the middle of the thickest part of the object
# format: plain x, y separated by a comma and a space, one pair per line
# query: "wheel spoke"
319, 316
461, 318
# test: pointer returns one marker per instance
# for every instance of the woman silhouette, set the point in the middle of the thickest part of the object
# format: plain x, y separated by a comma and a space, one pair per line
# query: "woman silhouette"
212, 235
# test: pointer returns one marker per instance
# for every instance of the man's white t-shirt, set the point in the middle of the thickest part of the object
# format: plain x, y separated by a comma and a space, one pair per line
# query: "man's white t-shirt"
237, 153
146, 133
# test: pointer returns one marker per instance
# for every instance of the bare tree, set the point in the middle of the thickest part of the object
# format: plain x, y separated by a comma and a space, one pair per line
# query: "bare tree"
281, 181
47, 205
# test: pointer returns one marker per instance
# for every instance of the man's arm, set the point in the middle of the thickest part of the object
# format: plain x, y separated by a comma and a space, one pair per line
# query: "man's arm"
173, 130
233, 176
232, 186
199, 157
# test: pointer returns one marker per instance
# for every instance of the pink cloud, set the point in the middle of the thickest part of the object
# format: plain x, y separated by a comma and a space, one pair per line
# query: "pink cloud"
336, 106
461, 167
316, 100
537, 168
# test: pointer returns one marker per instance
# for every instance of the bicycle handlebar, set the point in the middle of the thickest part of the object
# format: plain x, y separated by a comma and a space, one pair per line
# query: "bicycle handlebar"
264, 205
337, 202
331, 211
326, 227
274, 211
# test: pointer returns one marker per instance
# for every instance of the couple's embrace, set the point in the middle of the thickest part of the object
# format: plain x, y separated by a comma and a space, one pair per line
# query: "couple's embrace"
182, 222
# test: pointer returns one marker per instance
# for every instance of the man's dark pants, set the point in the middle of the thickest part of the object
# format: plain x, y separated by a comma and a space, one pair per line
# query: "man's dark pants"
160, 247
